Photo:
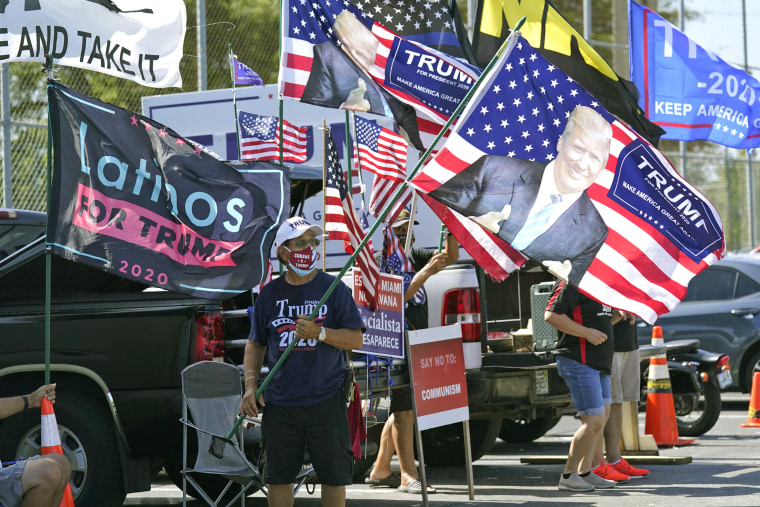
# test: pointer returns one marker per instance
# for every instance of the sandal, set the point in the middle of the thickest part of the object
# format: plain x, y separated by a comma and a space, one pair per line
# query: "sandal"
416, 488
392, 481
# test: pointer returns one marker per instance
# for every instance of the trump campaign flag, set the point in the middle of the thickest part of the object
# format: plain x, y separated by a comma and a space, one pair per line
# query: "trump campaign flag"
243, 74
342, 222
689, 91
260, 139
334, 55
657, 231
132, 197
141, 42
555, 38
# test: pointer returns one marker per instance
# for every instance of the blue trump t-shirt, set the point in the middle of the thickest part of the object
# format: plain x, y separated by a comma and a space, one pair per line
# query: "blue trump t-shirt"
314, 371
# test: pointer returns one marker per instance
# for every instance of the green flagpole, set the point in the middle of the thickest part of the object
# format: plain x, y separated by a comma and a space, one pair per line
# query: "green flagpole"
48, 244
508, 43
234, 101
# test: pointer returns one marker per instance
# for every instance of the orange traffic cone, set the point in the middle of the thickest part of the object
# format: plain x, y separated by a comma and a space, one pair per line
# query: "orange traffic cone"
661, 413
51, 443
753, 419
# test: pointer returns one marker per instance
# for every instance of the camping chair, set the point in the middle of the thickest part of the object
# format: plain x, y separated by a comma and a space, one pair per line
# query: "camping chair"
212, 392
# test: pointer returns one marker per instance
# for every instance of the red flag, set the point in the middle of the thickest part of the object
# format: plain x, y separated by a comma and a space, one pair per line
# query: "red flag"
260, 139
342, 222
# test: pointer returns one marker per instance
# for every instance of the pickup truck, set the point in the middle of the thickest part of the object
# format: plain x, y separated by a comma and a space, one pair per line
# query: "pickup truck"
117, 350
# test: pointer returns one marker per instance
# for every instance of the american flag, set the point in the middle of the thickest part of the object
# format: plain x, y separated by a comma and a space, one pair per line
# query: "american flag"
306, 24
394, 260
382, 192
652, 250
381, 151
260, 139
342, 222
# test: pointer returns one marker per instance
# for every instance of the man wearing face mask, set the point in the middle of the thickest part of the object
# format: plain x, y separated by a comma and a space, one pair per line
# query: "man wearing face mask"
304, 399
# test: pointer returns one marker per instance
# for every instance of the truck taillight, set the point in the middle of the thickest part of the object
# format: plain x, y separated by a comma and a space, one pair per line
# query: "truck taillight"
462, 306
209, 337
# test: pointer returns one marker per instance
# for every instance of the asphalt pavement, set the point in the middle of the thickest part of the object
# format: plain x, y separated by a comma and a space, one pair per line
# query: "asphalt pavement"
724, 470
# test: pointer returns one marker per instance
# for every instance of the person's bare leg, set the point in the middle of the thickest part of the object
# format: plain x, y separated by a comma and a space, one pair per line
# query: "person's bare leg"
382, 467
333, 496
613, 431
44, 480
280, 495
598, 455
584, 444
403, 438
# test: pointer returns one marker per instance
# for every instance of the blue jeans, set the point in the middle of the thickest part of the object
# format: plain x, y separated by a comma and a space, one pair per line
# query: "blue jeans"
589, 388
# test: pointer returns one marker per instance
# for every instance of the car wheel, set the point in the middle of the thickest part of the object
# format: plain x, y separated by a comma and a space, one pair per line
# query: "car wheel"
752, 366
444, 446
88, 441
521, 430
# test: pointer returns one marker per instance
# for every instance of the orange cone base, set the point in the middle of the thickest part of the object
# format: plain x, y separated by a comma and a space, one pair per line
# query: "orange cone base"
661, 421
675, 443
753, 420
753, 417
68, 499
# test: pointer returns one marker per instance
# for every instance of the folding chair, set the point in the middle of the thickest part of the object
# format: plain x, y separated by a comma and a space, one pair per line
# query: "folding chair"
212, 393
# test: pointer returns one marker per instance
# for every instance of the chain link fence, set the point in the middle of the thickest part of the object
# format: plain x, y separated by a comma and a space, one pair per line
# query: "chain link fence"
728, 177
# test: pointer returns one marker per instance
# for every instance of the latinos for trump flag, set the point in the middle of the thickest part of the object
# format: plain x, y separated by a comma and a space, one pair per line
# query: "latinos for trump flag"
260, 139
549, 32
131, 197
689, 91
658, 230
141, 43
336, 56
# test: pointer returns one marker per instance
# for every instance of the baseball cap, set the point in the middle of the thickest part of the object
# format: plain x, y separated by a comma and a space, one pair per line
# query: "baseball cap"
402, 218
294, 227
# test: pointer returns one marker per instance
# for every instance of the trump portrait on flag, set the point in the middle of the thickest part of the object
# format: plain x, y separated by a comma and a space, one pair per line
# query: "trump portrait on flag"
541, 209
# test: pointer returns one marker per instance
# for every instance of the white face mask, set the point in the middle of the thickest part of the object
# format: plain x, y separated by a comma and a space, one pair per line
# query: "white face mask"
302, 262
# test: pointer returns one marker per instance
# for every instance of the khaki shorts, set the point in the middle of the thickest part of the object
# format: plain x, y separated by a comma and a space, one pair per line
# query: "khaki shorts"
625, 379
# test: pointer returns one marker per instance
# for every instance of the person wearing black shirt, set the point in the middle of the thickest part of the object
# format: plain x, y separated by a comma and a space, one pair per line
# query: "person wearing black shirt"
584, 360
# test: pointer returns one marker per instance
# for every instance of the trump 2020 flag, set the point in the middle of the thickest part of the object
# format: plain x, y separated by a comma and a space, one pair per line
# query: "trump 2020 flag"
244, 75
687, 90
335, 55
132, 197
141, 42
260, 139
599, 206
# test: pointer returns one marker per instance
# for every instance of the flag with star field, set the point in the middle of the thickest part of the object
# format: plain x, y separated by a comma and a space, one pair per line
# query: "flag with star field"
132, 197
661, 230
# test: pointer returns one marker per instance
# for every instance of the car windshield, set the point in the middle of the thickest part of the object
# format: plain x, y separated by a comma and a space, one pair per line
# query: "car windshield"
16, 236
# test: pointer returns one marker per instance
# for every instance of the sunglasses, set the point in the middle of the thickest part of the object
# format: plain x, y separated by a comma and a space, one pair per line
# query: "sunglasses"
303, 243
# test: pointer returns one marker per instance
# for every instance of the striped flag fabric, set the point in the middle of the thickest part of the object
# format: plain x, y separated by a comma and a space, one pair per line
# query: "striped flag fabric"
380, 150
394, 259
661, 230
429, 82
383, 191
342, 222
260, 139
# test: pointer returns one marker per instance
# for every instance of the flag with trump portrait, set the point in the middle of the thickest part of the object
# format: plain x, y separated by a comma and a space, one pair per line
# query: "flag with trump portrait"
336, 55
659, 231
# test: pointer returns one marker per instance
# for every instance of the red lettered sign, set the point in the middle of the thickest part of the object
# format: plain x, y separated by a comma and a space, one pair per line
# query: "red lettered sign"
440, 386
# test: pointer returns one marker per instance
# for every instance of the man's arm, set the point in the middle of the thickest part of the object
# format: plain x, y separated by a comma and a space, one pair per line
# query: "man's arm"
437, 262
565, 324
15, 404
343, 339
253, 360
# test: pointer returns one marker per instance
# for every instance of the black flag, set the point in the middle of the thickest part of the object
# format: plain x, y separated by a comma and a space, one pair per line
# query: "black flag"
132, 197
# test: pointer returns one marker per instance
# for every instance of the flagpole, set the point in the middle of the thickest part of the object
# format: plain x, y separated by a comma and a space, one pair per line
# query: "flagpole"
325, 234
48, 249
508, 44
282, 17
347, 123
234, 101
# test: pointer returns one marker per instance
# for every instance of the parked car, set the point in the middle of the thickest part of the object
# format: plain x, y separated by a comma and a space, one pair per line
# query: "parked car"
721, 310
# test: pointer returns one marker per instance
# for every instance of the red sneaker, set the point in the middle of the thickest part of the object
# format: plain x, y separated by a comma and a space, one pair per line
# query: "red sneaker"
606, 471
624, 467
